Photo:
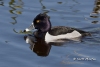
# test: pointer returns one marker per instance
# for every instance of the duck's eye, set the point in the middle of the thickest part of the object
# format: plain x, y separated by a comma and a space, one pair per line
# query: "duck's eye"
37, 21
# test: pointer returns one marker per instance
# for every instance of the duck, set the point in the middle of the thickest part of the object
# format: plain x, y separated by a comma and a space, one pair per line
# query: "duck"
44, 30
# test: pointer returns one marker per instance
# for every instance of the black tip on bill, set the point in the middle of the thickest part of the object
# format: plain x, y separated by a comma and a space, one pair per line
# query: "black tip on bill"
24, 31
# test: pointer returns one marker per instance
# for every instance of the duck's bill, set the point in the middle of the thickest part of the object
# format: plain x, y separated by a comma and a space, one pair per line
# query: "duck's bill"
30, 28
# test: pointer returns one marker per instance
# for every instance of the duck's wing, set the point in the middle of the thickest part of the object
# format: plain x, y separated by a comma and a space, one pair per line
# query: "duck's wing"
58, 30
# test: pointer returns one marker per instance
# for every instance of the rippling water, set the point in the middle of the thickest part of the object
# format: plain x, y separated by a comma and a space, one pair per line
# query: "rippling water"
16, 15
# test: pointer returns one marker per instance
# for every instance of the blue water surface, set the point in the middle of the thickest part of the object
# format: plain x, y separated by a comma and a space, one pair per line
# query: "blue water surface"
16, 15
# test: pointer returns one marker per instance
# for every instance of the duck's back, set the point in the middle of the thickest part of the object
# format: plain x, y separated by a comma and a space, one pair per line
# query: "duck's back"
60, 30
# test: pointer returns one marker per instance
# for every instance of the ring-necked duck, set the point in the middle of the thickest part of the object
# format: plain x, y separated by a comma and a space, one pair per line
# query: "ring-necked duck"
44, 29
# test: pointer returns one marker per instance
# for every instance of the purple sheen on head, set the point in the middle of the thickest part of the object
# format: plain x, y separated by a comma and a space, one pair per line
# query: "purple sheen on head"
47, 25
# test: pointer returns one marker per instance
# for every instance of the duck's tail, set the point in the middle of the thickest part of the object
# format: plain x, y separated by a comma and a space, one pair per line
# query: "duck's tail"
86, 34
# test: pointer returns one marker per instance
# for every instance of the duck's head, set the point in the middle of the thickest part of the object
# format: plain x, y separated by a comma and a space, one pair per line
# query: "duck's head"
41, 22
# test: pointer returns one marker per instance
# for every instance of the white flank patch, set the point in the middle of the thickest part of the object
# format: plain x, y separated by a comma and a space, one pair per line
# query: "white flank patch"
51, 38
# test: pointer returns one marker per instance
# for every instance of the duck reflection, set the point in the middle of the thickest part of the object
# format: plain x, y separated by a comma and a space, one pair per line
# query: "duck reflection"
38, 45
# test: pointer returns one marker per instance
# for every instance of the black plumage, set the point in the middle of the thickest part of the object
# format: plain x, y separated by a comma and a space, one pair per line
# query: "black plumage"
58, 30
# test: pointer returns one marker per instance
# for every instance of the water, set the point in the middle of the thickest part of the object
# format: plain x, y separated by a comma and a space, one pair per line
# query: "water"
16, 15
